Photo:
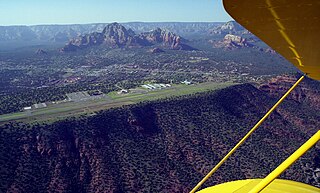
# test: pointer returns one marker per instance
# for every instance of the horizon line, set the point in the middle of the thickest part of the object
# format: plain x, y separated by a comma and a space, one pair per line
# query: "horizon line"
61, 24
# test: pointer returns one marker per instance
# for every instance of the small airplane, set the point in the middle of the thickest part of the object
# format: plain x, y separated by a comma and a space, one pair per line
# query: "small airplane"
290, 27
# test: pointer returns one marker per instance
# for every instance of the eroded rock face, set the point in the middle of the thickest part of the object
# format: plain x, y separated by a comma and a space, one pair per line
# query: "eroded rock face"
230, 27
113, 35
307, 90
232, 41
235, 40
306, 94
116, 35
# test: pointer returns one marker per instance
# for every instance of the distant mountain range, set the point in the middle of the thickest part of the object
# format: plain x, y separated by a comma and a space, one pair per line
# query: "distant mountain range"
62, 33
233, 36
229, 35
231, 27
116, 35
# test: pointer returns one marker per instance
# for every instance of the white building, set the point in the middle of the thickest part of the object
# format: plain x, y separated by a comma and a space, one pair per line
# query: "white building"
152, 87
186, 82
26, 108
146, 86
40, 105
123, 91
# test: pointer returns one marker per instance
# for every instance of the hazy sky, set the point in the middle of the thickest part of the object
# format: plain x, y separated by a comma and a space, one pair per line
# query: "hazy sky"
31, 12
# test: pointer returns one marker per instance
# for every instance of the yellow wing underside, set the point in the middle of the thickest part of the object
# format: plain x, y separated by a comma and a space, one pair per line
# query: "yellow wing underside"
290, 27
277, 186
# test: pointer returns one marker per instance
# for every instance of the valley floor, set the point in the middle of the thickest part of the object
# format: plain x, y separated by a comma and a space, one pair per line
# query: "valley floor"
62, 109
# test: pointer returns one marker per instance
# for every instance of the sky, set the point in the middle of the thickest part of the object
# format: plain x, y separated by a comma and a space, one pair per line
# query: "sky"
36, 12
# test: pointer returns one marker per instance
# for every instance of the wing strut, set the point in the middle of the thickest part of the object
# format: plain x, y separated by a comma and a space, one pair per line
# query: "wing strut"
246, 136
288, 162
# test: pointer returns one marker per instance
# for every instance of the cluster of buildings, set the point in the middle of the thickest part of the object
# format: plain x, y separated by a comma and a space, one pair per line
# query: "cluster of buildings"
186, 82
35, 106
155, 86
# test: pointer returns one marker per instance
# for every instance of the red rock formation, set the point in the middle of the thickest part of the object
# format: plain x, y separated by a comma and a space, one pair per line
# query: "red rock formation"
231, 41
303, 93
115, 35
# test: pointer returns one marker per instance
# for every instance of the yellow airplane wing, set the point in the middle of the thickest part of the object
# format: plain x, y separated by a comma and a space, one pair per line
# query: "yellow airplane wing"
277, 186
290, 27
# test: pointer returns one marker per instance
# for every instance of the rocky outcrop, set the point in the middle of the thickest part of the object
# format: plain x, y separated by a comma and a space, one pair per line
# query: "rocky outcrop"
230, 27
306, 94
116, 35
156, 50
160, 36
235, 41
307, 91
231, 41
166, 38
113, 35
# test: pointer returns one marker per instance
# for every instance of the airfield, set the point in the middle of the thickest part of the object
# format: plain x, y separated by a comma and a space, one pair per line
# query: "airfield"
84, 105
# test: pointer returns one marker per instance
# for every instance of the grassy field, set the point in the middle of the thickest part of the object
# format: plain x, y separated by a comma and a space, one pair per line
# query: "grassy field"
55, 112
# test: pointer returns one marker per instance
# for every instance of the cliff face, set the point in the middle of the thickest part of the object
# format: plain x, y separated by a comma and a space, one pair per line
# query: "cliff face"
230, 27
165, 38
113, 35
116, 35
231, 41
307, 92
164, 146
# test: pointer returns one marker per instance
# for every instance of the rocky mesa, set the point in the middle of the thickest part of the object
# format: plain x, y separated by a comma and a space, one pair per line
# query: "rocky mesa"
231, 27
231, 41
116, 35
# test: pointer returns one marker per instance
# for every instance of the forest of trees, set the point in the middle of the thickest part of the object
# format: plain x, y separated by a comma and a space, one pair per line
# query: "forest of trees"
160, 146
